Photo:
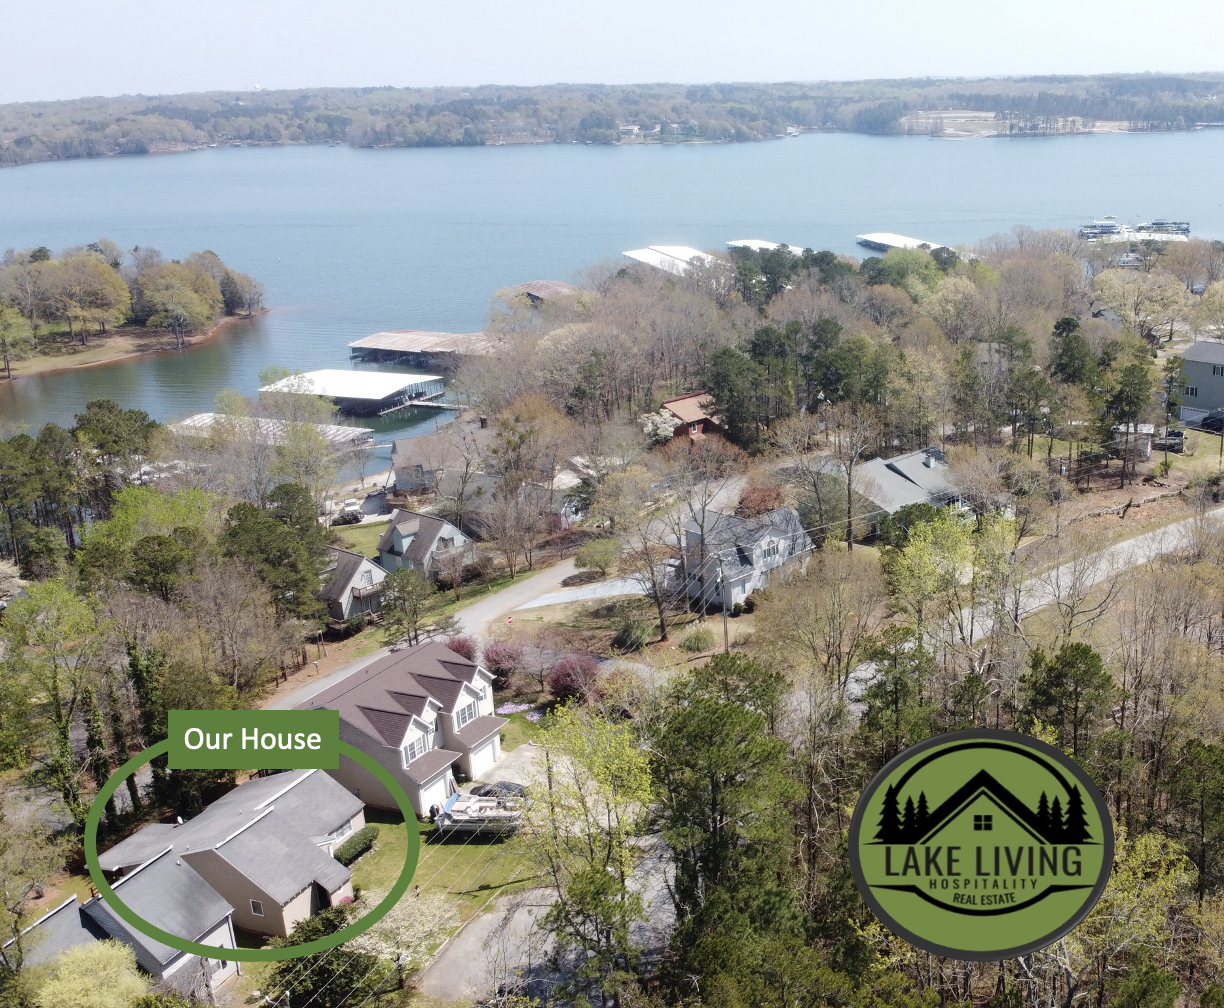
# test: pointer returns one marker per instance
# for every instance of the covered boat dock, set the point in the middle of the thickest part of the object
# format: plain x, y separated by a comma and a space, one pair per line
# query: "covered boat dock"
421, 348
364, 393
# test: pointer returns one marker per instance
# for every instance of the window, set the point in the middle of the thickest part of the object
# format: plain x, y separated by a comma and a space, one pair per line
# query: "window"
1217, 370
415, 749
257, 908
344, 830
367, 578
418, 471
445, 544
466, 714
771, 549
695, 428
1190, 390
983, 823
480, 690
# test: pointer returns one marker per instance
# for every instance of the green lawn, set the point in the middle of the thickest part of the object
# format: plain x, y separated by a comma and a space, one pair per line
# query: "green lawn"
469, 869
518, 731
361, 539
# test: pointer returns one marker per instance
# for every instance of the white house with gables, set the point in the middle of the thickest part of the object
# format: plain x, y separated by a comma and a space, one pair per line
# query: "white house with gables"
424, 713
422, 543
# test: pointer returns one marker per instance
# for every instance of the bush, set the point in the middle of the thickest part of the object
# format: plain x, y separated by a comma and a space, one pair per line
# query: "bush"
357, 844
700, 639
574, 677
465, 646
503, 659
598, 554
355, 624
737, 609
750, 604
632, 635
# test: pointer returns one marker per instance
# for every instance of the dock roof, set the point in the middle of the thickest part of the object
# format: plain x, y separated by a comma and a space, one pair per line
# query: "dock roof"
336, 384
760, 245
542, 290
265, 431
672, 258
424, 341
886, 240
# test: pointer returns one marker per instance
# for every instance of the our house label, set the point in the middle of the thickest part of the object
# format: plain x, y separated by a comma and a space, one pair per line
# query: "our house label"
981, 845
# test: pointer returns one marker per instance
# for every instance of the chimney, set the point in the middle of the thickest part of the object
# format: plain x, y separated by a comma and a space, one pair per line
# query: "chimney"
927, 461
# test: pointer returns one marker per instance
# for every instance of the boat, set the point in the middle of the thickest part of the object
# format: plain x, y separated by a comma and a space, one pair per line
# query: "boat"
480, 815
1101, 227
1162, 226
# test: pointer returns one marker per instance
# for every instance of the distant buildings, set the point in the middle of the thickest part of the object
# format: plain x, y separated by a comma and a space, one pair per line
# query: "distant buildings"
693, 416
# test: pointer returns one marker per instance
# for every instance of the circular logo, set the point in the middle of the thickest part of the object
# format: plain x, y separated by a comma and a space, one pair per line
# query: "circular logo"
981, 845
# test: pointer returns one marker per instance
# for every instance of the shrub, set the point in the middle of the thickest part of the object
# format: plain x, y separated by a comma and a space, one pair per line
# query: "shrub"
357, 844
503, 659
632, 635
465, 646
355, 624
700, 639
750, 604
598, 554
737, 609
574, 677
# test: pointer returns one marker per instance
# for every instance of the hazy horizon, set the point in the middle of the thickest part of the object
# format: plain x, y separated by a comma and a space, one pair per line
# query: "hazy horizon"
141, 47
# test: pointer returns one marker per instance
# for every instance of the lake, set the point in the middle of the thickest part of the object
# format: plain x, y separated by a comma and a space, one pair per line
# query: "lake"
349, 242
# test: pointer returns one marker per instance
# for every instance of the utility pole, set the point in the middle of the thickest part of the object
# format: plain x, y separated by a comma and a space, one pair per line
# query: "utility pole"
722, 596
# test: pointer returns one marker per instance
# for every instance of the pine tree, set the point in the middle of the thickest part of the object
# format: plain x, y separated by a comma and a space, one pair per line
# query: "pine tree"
924, 813
890, 822
1055, 829
909, 825
1043, 814
96, 755
1076, 830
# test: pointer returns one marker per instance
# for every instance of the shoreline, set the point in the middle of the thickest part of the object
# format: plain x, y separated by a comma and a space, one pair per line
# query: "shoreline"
120, 345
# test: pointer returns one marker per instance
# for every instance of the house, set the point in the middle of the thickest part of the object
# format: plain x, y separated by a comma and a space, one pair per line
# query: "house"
1203, 388
917, 477
693, 416
266, 848
353, 586
167, 892
444, 459
425, 714
422, 543
739, 553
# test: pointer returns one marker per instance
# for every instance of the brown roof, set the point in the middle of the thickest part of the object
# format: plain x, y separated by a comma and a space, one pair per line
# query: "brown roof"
692, 407
475, 732
423, 341
380, 698
431, 764
545, 289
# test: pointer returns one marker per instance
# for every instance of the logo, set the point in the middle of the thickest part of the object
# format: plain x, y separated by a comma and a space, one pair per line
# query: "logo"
981, 845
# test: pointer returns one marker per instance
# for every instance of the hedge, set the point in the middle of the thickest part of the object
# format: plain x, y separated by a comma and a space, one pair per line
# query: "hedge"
357, 844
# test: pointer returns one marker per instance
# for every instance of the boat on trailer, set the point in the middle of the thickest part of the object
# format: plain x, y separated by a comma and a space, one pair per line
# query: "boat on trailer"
482, 815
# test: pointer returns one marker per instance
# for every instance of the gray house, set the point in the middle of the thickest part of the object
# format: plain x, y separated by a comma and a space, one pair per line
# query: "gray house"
266, 848
917, 477
353, 586
740, 553
422, 543
170, 894
1203, 391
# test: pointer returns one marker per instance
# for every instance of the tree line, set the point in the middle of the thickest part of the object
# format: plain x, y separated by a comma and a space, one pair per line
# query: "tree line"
86, 289
562, 113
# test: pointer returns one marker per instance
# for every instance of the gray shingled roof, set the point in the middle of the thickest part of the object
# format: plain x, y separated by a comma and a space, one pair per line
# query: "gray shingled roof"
348, 564
314, 803
63, 928
423, 528
906, 479
281, 861
169, 894
1205, 352
736, 538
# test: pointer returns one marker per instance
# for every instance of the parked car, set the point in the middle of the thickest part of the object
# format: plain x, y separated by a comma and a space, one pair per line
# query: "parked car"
502, 789
1213, 421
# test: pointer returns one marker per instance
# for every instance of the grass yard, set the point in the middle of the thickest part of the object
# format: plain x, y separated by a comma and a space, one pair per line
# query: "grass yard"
470, 870
362, 539
517, 732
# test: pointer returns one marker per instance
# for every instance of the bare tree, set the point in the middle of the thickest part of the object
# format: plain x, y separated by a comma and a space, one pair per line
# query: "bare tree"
853, 431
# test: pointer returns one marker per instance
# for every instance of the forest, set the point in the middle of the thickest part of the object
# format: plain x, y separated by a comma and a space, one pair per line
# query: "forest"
719, 752
584, 113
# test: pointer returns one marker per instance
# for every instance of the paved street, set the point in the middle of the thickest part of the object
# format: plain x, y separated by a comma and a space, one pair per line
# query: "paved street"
475, 618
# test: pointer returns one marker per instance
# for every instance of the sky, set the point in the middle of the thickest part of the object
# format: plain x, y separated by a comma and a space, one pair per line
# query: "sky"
75, 48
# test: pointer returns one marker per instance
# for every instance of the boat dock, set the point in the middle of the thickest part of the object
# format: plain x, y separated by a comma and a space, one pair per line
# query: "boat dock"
886, 241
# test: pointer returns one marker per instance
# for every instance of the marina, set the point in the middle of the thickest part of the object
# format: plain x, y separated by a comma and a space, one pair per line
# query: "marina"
364, 393
1107, 229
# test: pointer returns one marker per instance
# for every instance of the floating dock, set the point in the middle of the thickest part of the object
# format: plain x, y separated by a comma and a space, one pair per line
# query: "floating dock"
363, 393
886, 241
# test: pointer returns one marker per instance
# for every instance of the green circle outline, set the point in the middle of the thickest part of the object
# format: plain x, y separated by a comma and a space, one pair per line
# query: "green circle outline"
238, 954
987, 735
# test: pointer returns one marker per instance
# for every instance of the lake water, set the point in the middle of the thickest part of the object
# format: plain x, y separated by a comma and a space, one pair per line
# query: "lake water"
350, 242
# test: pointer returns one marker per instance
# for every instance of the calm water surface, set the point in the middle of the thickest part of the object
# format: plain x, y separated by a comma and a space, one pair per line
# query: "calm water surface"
350, 242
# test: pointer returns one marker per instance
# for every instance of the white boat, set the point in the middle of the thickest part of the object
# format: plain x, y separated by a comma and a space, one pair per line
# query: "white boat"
483, 815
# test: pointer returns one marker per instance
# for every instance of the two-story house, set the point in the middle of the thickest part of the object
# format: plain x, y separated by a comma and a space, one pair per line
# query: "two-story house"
352, 586
733, 557
422, 543
266, 848
1203, 388
425, 714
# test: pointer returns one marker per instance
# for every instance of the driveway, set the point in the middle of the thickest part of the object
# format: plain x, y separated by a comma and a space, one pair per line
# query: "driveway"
475, 618
605, 589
